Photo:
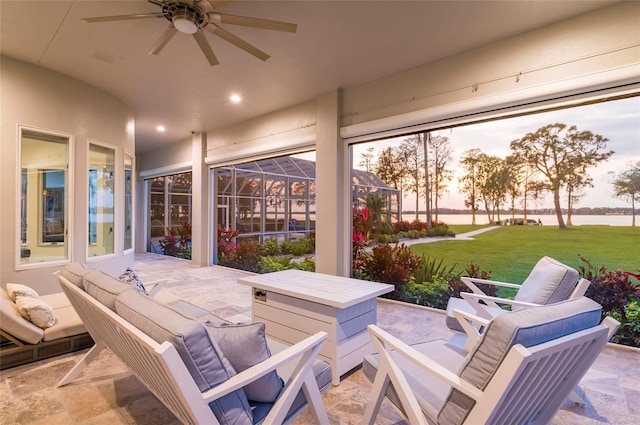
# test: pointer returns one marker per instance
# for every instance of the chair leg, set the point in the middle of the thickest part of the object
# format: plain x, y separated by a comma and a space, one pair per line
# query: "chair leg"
314, 400
379, 389
84, 361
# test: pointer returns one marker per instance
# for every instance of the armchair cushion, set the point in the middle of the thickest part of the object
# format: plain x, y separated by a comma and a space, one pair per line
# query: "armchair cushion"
196, 347
549, 282
245, 345
529, 327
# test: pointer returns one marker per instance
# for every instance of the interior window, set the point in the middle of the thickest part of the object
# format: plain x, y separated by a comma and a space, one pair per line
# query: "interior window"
128, 202
44, 162
101, 200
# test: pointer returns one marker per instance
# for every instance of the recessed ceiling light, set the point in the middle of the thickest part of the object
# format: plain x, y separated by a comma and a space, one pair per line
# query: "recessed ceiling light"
160, 128
235, 98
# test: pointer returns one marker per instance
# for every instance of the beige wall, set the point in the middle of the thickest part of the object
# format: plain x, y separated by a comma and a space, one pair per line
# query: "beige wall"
35, 97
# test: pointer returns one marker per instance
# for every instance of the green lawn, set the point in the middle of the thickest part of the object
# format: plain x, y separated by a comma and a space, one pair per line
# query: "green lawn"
510, 252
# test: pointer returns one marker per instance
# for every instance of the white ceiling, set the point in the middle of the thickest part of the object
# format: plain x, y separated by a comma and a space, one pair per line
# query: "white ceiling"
338, 44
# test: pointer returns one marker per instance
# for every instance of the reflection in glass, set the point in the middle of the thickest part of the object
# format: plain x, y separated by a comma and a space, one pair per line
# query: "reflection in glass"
101, 200
44, 199
170, 209
128, 202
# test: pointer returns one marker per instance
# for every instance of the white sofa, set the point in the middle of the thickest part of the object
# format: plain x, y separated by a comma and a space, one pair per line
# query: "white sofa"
204, 370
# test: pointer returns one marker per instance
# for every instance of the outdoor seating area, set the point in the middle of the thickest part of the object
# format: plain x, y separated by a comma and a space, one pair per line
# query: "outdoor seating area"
30, 393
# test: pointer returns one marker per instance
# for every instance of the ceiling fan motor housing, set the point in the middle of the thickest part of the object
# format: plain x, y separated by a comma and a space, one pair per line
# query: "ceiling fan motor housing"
185, 18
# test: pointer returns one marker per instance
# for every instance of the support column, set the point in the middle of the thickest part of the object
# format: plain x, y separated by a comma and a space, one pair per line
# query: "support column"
332, 256
200, 228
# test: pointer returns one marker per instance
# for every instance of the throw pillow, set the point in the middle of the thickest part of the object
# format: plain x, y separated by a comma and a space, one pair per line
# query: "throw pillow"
17, 290
36, 311
129, 276
245, 345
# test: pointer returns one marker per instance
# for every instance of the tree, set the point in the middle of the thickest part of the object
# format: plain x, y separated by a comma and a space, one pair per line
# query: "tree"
439, 156
516, 173
470, 163
367, 160
492, 183
411, 150
557, 152
574, 185
626, 185
389, 168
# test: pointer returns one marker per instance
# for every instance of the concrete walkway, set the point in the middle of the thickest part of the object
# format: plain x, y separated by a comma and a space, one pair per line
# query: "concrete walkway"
468, 236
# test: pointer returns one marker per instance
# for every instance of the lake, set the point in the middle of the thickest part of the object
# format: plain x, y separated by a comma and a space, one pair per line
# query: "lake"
547, 220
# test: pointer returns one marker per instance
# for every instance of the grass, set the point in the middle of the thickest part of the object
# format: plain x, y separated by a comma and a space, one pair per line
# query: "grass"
510, 252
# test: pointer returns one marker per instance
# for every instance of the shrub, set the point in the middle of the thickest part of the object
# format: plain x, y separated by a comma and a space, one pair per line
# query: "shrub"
401, 226
226, 244
434, 294
246, 256
613, 290
308, 264
472, 271
298, 247
177, 241
429, 270
440, 230
270, 264
390, 264
383, 238
629, 331
270, 247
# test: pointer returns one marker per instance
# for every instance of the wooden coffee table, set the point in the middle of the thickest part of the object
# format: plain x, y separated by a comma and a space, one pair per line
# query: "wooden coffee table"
295, 304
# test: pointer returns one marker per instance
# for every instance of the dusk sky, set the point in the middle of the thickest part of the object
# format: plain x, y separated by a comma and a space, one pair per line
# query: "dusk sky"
618, 121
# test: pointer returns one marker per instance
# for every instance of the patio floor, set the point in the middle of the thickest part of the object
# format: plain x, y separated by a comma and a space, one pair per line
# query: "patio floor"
106, 393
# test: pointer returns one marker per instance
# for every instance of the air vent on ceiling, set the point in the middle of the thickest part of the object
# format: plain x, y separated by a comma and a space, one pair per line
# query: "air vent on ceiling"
104, 57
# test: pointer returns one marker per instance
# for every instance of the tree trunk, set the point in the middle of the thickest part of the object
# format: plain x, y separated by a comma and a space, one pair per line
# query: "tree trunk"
569, 207
556, 204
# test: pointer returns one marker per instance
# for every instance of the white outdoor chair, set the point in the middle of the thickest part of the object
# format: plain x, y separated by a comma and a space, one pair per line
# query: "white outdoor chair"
520, 371
549, 282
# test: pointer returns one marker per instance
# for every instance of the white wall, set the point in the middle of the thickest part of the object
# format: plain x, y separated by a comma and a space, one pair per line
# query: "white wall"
46, 100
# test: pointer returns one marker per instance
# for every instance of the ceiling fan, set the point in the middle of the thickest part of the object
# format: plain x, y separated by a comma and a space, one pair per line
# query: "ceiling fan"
195, 16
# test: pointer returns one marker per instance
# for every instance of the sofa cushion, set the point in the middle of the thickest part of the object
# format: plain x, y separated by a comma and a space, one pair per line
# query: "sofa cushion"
529, 327
36, 311
196, 347
12, 322
549, 282
75, 273
16, 290
245, 345
104, 288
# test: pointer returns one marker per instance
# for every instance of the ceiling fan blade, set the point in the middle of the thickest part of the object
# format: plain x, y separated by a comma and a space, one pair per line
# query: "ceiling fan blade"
236, 41
163, 40
220, 3
206, 48
124, 17
266, 24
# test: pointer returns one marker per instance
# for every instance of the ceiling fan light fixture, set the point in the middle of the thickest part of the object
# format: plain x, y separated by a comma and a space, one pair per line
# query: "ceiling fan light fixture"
185, 22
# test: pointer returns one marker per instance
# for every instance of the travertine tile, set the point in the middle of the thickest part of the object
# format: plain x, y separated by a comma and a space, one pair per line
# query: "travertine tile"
107, 394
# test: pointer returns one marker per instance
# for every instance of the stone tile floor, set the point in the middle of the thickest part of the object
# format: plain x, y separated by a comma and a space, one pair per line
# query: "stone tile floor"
107, 394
